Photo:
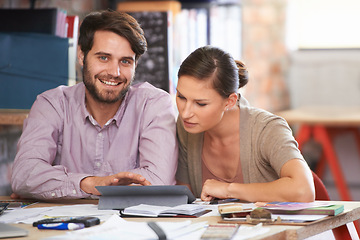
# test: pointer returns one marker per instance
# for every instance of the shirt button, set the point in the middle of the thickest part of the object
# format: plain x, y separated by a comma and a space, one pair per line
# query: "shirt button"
74, 191
53, 194
100, 134
98, 164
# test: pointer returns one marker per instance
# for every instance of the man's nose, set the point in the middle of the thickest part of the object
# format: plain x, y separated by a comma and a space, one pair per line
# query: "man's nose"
114, 70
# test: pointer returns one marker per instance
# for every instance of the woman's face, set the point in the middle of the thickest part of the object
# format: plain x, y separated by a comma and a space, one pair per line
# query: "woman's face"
200, 107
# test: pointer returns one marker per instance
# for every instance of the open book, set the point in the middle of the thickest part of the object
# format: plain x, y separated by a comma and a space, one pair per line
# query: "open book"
145, 210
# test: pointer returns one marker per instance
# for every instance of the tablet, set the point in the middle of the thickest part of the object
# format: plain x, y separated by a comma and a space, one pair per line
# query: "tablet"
120, 197
7, 231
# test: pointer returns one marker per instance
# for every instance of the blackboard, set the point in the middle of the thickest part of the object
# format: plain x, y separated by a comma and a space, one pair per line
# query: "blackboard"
153, 65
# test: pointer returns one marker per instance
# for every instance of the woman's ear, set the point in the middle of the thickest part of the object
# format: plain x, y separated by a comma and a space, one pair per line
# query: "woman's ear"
231, 101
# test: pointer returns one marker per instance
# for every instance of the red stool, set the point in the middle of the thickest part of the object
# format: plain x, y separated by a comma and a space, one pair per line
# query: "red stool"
323, 124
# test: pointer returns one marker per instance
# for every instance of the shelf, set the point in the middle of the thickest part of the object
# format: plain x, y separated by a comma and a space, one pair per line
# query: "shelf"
13, 116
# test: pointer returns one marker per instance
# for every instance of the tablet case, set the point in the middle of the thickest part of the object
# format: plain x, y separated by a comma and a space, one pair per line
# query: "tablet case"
120, 197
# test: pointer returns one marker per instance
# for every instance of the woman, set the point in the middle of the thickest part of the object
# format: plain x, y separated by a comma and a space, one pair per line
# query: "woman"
228, 149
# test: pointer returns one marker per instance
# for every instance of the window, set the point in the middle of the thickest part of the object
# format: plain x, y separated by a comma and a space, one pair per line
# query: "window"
323, 24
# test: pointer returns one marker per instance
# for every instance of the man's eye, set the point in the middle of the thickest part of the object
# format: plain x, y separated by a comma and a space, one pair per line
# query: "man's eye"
125, 61
103, 58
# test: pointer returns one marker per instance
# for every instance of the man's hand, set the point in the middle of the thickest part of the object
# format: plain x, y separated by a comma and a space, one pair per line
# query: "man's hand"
122, 178
14, 196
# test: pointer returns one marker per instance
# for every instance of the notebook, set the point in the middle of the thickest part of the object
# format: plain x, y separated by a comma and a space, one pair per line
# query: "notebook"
7, 230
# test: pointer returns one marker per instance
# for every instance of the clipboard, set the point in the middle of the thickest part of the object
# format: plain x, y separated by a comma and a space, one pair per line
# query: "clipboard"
120, 197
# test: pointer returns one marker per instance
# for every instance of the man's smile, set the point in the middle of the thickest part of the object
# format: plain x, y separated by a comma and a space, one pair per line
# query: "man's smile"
111, 83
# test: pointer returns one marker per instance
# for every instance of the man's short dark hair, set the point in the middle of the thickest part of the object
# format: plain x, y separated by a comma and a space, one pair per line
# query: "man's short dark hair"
117, 22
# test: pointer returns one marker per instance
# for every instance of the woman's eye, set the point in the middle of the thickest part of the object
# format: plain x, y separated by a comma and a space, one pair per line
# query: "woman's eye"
180, 97
201, 104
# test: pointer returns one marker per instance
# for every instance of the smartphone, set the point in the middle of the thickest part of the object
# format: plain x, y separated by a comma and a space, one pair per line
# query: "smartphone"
87, 221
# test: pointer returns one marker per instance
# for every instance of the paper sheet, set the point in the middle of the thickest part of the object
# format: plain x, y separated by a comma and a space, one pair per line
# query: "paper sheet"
113, 226
298, 217
30, 215
116, 226
246, 232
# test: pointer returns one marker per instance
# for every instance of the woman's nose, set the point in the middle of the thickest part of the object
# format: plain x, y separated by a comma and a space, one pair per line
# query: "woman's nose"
187, 111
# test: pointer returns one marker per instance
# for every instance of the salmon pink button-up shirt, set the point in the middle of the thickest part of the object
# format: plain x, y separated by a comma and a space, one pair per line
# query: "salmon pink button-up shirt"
61, 142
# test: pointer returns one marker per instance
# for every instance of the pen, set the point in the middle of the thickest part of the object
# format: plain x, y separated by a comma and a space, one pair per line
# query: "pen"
61, 226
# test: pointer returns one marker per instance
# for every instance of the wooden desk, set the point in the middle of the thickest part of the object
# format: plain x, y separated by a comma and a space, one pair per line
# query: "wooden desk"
13, 116
323, 123
350, 214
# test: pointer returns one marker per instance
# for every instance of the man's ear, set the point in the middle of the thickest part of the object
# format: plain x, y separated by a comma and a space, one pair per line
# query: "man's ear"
231, 101
80, 56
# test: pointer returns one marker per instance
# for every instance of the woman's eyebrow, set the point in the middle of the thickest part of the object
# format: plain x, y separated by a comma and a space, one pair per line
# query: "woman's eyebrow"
197, 100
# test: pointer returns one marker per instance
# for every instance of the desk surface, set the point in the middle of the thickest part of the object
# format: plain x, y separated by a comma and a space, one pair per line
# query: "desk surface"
324, 115
13, 116
351, 213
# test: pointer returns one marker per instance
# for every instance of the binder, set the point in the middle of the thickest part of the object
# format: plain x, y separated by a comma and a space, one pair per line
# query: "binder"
29, 65
45, 20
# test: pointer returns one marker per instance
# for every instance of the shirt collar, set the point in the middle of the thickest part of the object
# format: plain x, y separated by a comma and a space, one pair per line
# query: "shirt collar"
86, 115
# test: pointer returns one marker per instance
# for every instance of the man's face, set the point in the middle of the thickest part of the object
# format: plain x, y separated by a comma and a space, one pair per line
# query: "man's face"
109, 67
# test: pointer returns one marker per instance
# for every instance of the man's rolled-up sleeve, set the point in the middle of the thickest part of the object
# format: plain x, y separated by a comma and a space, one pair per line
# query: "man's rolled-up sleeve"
33, 174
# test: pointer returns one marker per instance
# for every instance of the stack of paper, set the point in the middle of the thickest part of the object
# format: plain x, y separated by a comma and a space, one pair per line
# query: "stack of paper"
300, 208
294, 212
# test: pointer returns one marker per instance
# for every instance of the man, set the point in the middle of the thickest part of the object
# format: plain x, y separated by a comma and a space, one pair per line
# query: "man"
102, 131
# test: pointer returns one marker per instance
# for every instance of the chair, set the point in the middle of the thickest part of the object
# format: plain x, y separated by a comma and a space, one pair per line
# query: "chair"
341, 232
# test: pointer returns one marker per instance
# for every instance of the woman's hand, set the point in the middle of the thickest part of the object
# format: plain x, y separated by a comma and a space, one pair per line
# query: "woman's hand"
214, 189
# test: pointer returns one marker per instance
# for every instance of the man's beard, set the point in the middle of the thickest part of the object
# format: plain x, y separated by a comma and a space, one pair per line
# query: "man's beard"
105, 97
